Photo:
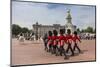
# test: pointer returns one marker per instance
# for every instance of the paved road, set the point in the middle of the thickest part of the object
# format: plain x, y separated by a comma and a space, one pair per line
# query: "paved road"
30, 52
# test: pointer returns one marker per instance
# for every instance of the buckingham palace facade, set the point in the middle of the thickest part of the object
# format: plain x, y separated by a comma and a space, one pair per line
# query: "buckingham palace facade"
40, 29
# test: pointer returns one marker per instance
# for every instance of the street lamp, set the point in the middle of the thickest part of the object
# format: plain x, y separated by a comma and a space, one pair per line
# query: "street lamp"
37, 30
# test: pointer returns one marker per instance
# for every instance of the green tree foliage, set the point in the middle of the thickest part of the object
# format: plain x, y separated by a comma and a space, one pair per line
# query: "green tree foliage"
25, 30
89, 29
78, 30
16, 29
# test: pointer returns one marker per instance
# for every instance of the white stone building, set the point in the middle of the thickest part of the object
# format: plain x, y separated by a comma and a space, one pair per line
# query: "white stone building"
40, 29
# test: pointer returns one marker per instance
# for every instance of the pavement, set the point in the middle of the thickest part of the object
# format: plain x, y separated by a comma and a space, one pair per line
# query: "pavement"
32, 52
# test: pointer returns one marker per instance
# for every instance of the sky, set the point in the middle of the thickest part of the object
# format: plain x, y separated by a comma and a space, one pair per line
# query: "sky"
26, 14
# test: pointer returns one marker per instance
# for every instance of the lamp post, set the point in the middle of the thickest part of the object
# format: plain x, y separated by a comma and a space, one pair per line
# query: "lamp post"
36, 30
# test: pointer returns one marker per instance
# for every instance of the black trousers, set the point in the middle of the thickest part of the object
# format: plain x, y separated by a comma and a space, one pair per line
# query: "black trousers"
45, 45
76, 47
69, 48
50, 48
62, 51
55, 49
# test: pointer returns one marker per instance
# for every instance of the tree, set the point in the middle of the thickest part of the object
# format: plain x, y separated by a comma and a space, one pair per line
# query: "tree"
78, 30
82, 31
16, 29
25, 30
89, 30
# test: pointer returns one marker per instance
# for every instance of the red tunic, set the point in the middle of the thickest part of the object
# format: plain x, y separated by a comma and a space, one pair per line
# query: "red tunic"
62, 40
50, 40
69, 38
55, 40
75, 38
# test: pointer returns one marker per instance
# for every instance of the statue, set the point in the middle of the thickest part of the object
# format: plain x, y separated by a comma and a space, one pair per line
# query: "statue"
69, 24
68, 17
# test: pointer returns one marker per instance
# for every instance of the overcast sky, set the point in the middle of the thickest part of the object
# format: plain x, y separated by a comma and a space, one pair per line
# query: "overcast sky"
26, 14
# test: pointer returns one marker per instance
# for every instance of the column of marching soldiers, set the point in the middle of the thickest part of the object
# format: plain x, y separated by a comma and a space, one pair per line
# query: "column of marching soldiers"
55, 43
